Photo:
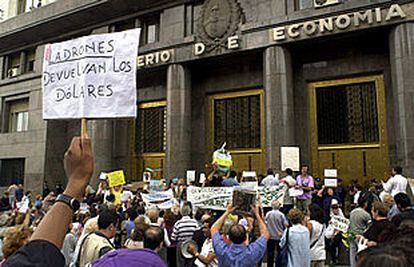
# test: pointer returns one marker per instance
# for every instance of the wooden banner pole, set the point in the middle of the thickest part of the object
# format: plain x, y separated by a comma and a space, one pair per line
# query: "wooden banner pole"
84, 127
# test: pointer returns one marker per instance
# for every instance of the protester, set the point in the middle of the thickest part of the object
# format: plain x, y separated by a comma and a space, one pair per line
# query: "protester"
231, 180
136, 240
15, 238
270, 179
404, 205
168, 225
297, 239
69, 243
316, 228
305, 182
239, 253
327, 194
276, 223
290, 182
333, 236
397, 183
129, 225
206, 257
97, 243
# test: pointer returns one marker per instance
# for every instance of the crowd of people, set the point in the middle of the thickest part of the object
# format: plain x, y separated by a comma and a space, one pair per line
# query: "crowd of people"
80, 226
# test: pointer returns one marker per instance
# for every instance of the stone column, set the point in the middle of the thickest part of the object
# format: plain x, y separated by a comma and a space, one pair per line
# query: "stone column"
101, 134
278, 84
402, 72
178, 152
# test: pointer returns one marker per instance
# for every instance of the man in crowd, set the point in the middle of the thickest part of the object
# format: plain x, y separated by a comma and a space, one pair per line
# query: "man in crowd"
239, 252
404, 205
290, 182
207, 257
98, 243
397, 183
276, 224
270, 179
231, 180
305, 182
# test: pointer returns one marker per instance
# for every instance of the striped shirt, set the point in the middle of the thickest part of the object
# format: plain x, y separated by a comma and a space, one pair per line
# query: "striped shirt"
184, 229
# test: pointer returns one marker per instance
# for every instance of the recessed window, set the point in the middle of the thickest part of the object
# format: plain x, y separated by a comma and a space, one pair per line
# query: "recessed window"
150, 29
13, 63
151, 130
18, 115
11, 171
12, 67
124, 25
30, 56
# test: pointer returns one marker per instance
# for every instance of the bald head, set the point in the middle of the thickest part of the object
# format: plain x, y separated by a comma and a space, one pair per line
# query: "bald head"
237, 234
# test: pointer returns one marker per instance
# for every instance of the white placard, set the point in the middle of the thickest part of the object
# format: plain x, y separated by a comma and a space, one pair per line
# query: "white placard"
294, 192
332, 173
249, 174
340, 223
146, 176
191, 177
290, 158
202, 179
91, 77
331, 182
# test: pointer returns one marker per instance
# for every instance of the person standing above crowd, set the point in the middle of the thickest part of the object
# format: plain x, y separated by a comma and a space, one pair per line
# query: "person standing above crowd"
276, 223
270, 179
327, 195
238, 253
305, 182
231, 180
397, 183
297, 239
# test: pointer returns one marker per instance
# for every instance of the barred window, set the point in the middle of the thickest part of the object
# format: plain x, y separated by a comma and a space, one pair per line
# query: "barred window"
151, 130
237, 122
347, 114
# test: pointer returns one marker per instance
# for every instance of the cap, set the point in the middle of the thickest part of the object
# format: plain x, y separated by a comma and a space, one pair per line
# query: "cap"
334, 202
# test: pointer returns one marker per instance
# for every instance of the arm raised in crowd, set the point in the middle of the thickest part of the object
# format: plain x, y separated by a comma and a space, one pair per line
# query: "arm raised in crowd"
262, 226
217, 225
78, 165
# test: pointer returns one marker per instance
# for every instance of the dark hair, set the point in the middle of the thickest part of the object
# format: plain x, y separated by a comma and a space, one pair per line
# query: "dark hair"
153, 237
106, 218
397, 169
386, 255
402, 200
237, 234
210, 221
270, 171
141, 210
289, 171
366, 198
110, 198
316, 213
304, 165
132, 213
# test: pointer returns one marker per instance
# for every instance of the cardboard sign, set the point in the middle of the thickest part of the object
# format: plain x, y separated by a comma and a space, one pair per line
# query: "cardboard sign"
249, 174
290, 158
332, 173
116, 178
103, 176
191, 177
91, 77
294, 192
330, 182
202, 179
340, 223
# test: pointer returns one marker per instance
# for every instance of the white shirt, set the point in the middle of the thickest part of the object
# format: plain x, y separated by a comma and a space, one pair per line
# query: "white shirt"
205, 250
126, 195
396, 184
318, 252
270, 180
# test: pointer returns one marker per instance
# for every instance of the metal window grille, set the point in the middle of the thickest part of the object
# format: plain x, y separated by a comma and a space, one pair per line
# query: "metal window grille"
151, 130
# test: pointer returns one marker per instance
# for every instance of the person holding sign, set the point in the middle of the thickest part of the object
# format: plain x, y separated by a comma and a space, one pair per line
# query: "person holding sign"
305, 182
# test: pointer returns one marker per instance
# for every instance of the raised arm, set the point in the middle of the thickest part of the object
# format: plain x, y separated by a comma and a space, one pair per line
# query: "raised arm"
262, 226
78, 165
217, 225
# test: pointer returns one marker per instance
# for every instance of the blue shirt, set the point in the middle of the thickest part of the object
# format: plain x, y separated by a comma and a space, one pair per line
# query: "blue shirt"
230, 182
299, 244
129, 226
236, 255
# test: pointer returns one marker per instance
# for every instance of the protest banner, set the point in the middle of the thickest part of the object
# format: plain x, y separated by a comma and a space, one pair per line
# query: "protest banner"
116, 178
217, 198
340, 223
157, 197
290, 158
91, 77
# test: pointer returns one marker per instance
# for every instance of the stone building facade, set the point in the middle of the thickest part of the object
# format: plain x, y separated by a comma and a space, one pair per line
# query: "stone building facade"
334, 78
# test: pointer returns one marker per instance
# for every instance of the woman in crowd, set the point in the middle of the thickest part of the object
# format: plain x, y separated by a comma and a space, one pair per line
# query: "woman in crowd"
69, 243
15, 238
137, 237
317, 236
168, 225
297, 240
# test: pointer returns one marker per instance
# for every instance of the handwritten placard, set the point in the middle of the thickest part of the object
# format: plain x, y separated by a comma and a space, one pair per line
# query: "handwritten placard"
91, 77
290, 157
340, 223
331, 173
191, 176
330, 182
116, 178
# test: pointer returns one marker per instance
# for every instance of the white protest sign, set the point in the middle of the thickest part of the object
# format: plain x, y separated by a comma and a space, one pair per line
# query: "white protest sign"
290, 157
295, 192
202, 179
191, 177
330, 182
91, 77
331, 173
249, 174
103, 176
340, 223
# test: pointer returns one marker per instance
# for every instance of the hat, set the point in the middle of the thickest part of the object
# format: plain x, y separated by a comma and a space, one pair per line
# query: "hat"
130, 257
334, 202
